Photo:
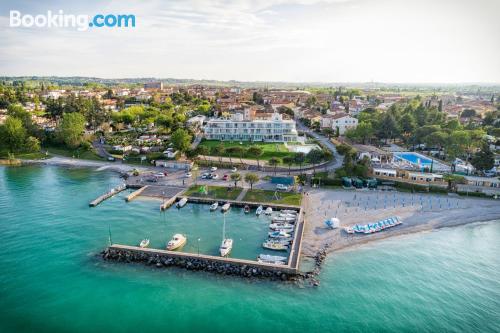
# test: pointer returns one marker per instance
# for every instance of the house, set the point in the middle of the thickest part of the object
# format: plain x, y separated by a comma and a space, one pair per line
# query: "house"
196, 121
342, 122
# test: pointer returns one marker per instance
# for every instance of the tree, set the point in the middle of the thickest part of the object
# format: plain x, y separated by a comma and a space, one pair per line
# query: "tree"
251, 178
407, 123
12, 134
387, 127
484, 159
71, 129
32, 144
203, 150
274, 161
468, 113
256, 152
181, 139
235, 177
288, 160
453, 180
458, 142
314, 156
300, 159
18, 111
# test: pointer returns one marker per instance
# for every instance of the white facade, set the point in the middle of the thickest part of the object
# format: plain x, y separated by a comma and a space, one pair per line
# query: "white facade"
344, 123
240, 128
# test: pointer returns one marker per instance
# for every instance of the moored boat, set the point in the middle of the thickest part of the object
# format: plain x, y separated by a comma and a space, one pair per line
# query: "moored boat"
281, 226
181, 203
287, 215
269, 259
259, 210
226, 247
276, 246
279, 234
268, 211
176, 242
144, 243
246, 209
283, 219
288, 211
214, 206
225, 207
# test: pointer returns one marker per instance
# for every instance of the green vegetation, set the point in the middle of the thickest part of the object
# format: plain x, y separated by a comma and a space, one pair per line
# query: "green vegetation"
285, 198
215, 192
268, 149
79, 152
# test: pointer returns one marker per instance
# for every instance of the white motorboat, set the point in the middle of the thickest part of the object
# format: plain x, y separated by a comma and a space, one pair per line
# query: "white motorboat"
259, 210
281, 226
144, 243
227, 243
176, 242
276, 246
181, 203
268, 211
283, 219
287, 215
268, 259
225, 207
279, 234
289, 211
246, 209
214, 206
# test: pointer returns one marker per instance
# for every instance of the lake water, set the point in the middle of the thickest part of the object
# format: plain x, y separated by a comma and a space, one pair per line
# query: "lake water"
53, 280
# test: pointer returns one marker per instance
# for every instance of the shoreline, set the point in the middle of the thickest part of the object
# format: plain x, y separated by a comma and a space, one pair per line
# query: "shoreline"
436, 212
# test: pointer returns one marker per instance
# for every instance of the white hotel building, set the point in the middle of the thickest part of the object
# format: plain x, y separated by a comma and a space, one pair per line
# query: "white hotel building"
275, 129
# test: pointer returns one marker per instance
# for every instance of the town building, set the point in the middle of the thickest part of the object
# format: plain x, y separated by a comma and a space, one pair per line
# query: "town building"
153, 85
340, 122
239, 127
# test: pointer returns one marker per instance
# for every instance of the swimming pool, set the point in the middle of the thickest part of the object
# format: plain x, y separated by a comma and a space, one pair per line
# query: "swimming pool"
413, 158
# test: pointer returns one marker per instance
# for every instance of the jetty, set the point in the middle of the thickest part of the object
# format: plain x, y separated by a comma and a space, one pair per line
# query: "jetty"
136, 193
108, 195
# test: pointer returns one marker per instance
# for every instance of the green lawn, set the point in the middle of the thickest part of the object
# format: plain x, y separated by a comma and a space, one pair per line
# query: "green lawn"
286, 198
26, 156
63, 151
269, 149
216, 192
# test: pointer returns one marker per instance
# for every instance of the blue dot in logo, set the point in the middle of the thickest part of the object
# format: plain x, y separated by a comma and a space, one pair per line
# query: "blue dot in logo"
91, 24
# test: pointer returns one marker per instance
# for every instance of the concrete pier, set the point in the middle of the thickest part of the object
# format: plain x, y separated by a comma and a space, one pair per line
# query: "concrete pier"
136, 193
107, 195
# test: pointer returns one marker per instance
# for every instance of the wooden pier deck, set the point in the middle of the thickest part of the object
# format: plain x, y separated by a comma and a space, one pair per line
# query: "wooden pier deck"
136, 193
107, 195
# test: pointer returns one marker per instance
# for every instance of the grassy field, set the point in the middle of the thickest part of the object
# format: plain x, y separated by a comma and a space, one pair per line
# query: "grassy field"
26, 156
216, 192
286, 198
269, 149
84, 155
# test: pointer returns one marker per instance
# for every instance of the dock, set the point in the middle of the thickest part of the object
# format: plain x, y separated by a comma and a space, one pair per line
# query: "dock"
108, 195
136, 193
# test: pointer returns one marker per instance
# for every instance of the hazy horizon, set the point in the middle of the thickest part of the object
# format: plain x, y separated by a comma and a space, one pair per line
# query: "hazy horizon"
420, 42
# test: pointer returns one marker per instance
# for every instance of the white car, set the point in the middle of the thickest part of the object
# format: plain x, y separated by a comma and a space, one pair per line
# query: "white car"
159, 174
215, 176
213, 169
234, 169
188, 175
205, 175
281, 187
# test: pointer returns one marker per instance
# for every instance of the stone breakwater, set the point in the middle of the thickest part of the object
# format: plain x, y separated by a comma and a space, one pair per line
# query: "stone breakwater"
200, 264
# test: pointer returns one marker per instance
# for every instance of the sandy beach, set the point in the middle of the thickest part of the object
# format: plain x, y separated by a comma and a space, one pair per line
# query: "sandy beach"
419, 212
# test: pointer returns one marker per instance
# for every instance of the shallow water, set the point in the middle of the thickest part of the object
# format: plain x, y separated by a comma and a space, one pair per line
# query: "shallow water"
52, 279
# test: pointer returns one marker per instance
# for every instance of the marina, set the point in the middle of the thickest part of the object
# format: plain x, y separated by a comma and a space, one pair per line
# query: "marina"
107, 195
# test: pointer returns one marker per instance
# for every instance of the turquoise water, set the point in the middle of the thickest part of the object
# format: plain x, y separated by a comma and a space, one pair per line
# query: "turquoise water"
52, 280
414, 158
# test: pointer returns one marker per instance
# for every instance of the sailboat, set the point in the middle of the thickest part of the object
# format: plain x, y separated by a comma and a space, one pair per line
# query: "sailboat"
227, 243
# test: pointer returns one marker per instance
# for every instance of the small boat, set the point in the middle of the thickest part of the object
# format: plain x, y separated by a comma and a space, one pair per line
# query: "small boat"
279, 234
176, 242
332, 223
268, 259
259, 210
276, 246
289, 211
281, 226
246, 209
268, 211
227, 243
283, 219
214, 206
287, 215
225, 207
144, 243
182, 202
225, 247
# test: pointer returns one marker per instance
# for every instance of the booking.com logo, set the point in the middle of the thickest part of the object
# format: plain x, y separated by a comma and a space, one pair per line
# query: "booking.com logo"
80, 22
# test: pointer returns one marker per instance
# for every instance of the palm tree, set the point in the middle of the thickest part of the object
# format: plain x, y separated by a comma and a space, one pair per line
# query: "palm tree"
203, 150
255, 151
220, 151
235, 177
251, 178
299, 159
288, 160
315, 156
274, 161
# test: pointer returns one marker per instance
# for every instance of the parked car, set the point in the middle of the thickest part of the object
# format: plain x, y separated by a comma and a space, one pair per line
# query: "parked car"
213, 169
188, 175
234, 169
281, 187
205, 175
160, 174
111, 158
214, 176
225, 177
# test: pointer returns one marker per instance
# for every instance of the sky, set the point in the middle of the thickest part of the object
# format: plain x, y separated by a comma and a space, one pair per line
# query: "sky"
393, 41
